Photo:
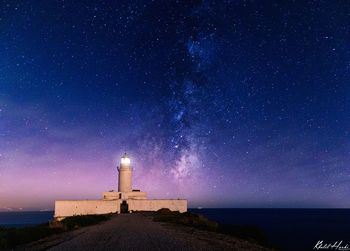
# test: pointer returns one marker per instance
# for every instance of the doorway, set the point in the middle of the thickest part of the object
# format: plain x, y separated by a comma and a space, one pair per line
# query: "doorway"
124, 208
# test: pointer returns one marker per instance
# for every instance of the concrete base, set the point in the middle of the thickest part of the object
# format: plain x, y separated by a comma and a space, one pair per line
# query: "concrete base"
136, 195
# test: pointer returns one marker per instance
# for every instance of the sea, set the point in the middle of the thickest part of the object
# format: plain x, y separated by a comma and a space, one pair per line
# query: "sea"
286, 229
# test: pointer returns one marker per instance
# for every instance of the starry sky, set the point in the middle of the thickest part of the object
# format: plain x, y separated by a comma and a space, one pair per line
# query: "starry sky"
227, 103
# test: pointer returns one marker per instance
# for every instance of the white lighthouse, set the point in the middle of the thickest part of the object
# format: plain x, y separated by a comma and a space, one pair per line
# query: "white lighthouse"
125, 200
125, 175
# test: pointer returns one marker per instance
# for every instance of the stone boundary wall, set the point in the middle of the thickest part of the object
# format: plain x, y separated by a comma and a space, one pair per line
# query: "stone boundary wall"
65, 208
154, 205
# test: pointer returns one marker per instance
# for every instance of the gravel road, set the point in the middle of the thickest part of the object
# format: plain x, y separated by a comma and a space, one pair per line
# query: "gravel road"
139, 232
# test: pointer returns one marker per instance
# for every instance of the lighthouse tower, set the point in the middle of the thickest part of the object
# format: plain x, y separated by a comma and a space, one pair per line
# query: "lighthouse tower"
124, 201
125, 175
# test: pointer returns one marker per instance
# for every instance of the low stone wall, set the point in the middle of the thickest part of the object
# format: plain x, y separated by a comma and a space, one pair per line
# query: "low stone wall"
154, 205
65, 208
136, 195
111, 195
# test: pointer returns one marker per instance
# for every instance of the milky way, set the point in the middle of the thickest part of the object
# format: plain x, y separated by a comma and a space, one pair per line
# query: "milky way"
228, 104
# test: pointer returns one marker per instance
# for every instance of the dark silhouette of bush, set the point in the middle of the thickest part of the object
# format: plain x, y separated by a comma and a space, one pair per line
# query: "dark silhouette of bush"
11, 237
187, 219
250, 233
83, 220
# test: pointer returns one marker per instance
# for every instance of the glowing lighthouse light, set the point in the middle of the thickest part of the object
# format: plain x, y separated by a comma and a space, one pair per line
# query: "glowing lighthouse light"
125, 161
125, 175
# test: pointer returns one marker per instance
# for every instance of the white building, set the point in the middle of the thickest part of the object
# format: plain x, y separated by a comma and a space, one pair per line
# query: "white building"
124, 201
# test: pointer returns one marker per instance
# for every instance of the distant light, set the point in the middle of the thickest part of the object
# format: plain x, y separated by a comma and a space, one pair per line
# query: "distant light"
125, 160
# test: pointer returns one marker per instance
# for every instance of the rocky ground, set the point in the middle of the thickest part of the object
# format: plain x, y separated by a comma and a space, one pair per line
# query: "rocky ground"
140, 232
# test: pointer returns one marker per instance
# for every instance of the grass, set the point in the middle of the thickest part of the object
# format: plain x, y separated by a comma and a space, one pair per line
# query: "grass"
250, 233
73, 222
11, 237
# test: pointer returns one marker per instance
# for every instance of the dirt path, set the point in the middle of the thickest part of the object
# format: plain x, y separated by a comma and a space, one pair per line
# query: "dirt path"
139, 232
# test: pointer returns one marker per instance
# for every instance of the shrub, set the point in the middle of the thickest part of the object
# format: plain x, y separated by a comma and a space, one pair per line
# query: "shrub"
11, 237
83, 220
198, 221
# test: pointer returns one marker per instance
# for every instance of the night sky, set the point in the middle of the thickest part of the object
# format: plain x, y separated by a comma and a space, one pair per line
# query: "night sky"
227, 104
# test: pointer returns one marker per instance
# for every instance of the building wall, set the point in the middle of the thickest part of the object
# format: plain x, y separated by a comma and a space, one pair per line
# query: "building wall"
125, 177
154, 205
111, 195
67, 208
130, 195
134, 195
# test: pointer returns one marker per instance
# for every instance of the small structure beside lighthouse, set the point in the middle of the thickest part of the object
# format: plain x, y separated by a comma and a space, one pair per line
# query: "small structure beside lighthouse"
125, 200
